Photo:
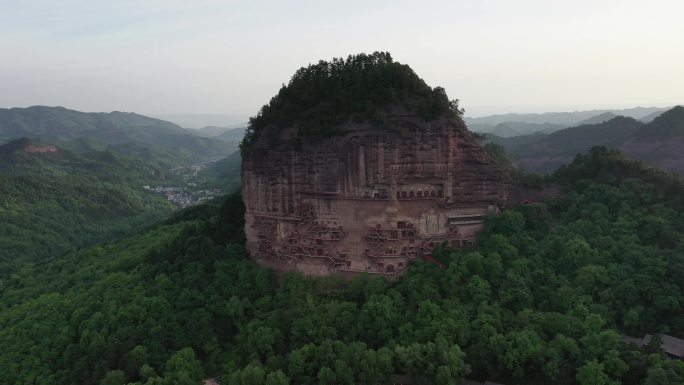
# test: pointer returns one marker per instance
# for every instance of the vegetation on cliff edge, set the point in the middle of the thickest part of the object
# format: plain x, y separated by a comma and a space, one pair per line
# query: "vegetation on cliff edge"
322, 96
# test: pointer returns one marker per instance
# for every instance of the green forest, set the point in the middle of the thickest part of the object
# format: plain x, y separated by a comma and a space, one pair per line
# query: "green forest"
321, 97
51, 203
543, 299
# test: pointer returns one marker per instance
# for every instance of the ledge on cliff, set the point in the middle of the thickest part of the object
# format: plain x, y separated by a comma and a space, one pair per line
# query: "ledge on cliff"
321, 97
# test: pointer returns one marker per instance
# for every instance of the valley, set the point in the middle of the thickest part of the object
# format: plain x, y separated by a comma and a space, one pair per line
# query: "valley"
71, 186
193, 187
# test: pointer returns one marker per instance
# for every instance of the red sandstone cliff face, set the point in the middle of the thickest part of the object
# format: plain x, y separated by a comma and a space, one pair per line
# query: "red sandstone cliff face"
370, 199
41, 149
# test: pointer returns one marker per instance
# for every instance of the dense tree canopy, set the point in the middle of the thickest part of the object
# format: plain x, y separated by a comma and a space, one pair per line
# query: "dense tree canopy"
542, 300
322, 96
51, 203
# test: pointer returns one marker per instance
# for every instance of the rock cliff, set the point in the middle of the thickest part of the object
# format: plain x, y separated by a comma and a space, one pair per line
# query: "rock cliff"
369, 198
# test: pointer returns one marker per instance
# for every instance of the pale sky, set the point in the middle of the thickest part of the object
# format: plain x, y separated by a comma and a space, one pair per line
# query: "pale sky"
230, 57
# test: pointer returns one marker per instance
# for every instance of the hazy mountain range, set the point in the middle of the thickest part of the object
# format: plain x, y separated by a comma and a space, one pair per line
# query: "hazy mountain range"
197, 121
119, 130
508, 125
659, 142
222, 133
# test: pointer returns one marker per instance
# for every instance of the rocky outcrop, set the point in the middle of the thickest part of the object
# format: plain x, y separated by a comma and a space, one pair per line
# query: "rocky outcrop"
41, 149
369, 199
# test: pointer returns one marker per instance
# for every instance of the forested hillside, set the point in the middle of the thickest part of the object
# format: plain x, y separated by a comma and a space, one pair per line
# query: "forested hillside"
61, 125
53, 200
225, 173
549, 152
660, 142
542, 300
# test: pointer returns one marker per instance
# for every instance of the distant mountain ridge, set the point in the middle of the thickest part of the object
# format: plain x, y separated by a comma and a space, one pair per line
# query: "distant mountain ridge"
600, 118
113, 128
56, 122
510, 129
549, 152
668, 125
211, 131
199, 120
232, 134
524, 124
659, 142
228, 134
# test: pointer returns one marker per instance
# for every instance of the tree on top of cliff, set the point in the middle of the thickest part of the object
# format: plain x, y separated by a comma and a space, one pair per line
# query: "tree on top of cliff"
322, 96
